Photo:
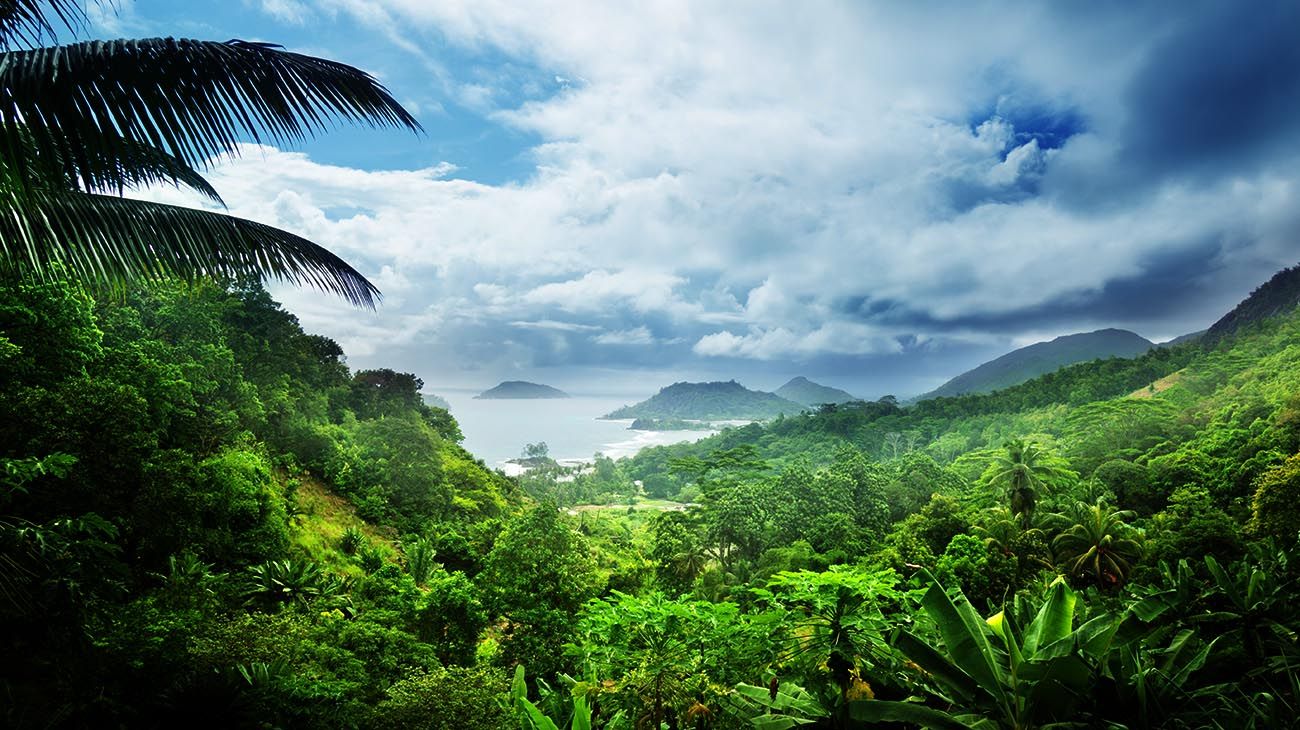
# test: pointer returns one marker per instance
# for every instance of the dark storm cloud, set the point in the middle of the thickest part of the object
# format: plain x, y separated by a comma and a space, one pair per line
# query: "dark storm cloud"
1220, 93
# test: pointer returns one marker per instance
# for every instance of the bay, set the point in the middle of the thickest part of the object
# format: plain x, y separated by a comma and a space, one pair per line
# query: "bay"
498, 430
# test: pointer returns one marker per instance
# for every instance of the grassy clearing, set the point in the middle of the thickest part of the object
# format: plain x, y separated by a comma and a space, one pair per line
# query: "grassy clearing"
317, 530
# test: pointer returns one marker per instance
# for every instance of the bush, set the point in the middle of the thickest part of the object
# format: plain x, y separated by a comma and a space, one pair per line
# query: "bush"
447, 699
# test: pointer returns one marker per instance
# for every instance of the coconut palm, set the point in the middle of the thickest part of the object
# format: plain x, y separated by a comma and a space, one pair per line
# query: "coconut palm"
1098, 544
1024, 470
82, 123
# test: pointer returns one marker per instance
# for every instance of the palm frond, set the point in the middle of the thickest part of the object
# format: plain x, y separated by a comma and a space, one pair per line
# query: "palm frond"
92, 169
113, 240
26, 21
191, 99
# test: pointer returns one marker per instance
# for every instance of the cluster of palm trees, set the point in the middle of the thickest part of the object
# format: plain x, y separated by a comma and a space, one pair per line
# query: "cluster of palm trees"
84, 122
1093, 541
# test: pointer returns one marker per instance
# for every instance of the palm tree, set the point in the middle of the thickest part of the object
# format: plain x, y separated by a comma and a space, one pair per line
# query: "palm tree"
1098, 545
1024, 470
81, 123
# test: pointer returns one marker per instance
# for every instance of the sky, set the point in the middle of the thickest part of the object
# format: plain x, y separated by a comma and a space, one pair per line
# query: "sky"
610, 197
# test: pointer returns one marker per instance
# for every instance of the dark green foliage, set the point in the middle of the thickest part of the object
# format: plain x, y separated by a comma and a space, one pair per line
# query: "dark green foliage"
1275, 509
536, 578
1131, 484
446, 699
451, 617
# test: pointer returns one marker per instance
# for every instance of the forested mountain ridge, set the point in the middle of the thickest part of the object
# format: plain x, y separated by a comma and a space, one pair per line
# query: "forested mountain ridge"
1278, 295
717, 401
1029, 362
803, 390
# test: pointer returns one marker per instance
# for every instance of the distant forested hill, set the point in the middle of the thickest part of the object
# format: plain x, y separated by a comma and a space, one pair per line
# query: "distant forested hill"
803, 390
710, 402
521, 389
1029, 362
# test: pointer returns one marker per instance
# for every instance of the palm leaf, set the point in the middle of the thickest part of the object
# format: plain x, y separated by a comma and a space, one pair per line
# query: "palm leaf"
114, 240
94, 170
25, 21
191, 99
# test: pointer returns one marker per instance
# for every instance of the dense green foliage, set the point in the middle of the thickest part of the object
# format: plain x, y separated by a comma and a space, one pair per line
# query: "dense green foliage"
205, 514
159, 543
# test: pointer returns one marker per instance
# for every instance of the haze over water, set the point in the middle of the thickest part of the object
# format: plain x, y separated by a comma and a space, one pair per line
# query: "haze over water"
497, 430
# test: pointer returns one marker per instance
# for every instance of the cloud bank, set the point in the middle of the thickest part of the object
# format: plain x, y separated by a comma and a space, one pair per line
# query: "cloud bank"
879, 194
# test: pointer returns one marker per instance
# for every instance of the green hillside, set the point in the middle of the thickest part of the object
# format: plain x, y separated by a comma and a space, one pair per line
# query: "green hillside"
1029, 362
201, 497
803, 390
717, 401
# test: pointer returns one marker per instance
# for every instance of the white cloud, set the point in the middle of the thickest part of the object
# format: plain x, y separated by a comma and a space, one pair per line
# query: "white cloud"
636, 336
754, 180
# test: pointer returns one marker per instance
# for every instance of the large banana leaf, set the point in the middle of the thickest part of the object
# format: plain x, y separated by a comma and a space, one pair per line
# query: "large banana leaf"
1054, 619
109, 239
876, 711
964, 637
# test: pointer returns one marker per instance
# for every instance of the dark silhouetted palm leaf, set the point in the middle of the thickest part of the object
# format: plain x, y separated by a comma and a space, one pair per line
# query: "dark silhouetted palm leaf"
106, 116
109, 239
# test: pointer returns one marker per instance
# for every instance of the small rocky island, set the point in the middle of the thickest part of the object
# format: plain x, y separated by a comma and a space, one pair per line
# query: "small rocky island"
520, 389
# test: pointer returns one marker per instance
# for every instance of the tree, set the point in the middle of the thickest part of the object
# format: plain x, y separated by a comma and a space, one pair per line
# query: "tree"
1275, 510
82, 123
1024, 470
538, 575
1098, 545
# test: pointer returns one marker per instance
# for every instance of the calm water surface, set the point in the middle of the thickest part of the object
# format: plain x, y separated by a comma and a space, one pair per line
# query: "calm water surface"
497, 430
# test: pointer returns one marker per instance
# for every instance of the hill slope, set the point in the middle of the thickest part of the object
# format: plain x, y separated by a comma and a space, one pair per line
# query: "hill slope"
1278, 295
1027, 363
710, 402
520, 389
802, 390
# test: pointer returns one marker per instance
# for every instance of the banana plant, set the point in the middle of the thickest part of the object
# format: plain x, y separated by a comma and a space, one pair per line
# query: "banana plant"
991, 673
532, 718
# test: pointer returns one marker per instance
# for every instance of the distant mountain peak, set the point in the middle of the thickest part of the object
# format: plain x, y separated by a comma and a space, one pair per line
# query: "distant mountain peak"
1040, 358
802, 390
715, 401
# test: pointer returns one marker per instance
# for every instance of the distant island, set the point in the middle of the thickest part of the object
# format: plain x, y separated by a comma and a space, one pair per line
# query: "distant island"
519, 389
802, 390
436, 401
729, 401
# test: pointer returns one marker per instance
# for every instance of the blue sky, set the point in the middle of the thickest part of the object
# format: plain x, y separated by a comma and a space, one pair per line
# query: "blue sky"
612, 197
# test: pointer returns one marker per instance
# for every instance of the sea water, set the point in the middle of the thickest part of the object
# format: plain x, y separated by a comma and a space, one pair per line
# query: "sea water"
498, 429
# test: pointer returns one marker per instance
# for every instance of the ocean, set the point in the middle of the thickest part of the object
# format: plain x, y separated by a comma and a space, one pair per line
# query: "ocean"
497, 430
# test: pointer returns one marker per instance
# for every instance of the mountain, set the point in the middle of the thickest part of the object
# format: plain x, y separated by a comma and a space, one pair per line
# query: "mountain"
1180, 339
1029, 362
802, 390
1278, 295
710, 402
520, 389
